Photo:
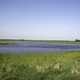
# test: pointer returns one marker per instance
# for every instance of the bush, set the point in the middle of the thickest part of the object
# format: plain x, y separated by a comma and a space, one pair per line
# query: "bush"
77, 40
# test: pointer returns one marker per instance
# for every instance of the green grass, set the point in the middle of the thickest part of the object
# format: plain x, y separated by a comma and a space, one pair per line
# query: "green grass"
65, 66
4, 42
62, 42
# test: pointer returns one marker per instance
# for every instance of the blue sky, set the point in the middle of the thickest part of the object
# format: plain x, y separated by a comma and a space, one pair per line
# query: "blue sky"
40, 19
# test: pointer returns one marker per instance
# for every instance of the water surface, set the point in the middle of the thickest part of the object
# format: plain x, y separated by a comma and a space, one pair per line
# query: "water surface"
27, 46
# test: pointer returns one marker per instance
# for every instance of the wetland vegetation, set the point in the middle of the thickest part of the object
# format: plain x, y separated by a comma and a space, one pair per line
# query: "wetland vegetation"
39, 65
49, 66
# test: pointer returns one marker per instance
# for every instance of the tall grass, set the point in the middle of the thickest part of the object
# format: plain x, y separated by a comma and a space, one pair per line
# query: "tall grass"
65, 66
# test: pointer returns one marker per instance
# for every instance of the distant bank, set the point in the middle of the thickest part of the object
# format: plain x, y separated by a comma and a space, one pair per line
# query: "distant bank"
12, 41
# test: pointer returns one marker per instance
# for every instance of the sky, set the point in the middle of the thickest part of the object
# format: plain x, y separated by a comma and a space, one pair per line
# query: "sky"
40, 19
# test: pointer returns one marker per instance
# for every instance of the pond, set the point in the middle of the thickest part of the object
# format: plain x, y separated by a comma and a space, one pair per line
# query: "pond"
26, 46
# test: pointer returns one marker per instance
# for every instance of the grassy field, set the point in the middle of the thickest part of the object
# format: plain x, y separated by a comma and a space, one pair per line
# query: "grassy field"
49, 66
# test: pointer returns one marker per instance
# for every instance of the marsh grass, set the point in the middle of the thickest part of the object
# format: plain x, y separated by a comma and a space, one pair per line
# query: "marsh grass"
65, 66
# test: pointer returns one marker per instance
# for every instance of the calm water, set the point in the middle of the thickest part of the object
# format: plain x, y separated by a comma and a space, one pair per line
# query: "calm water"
38, 47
